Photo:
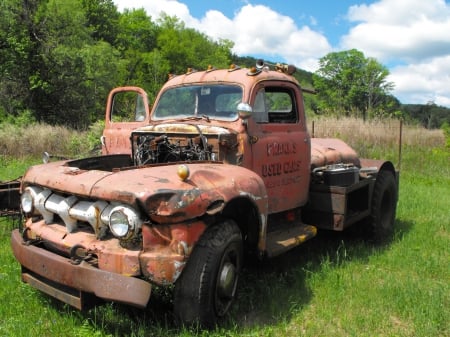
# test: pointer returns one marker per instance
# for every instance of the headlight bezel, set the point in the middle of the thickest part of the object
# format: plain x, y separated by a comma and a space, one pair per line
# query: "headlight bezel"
125, 225
27, 201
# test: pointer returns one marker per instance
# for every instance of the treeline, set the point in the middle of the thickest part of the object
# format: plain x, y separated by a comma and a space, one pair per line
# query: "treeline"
59, 59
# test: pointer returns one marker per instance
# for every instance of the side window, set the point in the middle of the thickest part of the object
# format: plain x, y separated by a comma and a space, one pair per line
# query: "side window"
259, 108
128, 106
281, 106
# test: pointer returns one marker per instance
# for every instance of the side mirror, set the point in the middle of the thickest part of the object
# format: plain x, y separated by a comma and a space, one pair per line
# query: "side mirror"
244, 110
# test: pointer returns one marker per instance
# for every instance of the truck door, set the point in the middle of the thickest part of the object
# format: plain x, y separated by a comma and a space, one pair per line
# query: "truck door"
280, 144
127, 108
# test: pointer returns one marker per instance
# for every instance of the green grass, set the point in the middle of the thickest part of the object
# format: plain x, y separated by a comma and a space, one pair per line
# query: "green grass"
333, 285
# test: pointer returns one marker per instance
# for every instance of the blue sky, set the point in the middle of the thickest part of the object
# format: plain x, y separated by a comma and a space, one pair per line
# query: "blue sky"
410, 37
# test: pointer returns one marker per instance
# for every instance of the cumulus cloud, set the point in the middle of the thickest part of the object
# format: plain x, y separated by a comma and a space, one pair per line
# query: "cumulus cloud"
413, 33
424, 82
408, 29
254, 29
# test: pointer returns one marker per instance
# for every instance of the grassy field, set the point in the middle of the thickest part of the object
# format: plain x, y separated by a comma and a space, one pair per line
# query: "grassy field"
333, 285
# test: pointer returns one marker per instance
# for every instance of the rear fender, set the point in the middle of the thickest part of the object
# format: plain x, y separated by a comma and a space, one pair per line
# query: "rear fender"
373, 165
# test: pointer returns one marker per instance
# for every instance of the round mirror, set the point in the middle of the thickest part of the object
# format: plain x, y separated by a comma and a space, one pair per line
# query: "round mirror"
244, 110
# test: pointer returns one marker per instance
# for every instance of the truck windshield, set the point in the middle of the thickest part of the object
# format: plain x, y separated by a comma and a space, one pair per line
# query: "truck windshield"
215, 101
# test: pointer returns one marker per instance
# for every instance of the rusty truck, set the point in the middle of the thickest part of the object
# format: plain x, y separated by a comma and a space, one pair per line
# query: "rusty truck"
219, 169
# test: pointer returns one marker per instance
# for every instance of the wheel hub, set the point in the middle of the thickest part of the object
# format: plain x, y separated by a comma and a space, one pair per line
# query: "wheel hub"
227, 280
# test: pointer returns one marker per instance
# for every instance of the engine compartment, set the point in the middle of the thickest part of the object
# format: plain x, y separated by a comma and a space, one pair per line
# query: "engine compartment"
163, 146
155, 149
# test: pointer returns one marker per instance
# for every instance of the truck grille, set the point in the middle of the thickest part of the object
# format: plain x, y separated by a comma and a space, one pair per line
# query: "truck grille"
70, 209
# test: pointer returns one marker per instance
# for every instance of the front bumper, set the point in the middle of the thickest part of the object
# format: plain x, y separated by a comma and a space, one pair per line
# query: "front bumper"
57, 276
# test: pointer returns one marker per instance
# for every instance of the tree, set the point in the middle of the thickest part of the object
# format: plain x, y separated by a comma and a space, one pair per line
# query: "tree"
349, 83
59, 59
187, 48
428, 115
137, 43
102, 17
18, 47
71, 69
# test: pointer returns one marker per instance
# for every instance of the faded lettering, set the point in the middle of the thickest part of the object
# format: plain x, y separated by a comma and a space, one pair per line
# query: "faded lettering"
277, 169
278, 149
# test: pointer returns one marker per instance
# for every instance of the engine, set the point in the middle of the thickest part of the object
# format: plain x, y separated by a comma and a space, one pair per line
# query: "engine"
154, 149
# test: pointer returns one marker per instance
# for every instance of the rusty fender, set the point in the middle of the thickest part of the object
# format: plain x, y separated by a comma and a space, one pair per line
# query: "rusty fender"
166, 249
168, 244
209, 187
158, 190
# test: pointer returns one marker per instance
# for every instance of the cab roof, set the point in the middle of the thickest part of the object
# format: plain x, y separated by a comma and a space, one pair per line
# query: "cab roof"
243, 76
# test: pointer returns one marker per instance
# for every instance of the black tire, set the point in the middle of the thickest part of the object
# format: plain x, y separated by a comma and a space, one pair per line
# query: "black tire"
207, 286
383, 208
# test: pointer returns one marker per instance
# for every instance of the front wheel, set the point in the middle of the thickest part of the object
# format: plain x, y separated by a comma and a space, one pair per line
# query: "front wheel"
208, 284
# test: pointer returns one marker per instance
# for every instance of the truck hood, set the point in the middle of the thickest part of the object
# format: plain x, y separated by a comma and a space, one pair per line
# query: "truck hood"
155, 190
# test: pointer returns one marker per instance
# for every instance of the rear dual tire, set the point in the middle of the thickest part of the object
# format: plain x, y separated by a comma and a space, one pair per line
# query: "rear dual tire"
383, 208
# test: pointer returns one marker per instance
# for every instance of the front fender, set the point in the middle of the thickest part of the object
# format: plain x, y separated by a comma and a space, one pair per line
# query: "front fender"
207, 189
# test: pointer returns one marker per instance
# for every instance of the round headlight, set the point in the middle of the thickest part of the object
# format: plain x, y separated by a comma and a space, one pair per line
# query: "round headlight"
26, 201
123, 221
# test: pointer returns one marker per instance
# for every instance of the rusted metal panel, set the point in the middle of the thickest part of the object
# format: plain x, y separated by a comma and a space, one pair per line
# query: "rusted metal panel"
60, 177
284, 239
166, 249
104, 284
337, 207
111, 256
327, 151
160, 258
73, 297
281, 159
116, 135
158, 188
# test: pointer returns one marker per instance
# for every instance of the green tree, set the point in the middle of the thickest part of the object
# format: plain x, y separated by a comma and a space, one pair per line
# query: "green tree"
59, 59
137, 43
18, 47
72, 69
349, 83
187, 48
102, 17
429, 115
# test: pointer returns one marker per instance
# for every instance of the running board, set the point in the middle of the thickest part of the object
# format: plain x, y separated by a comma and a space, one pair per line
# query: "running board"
282, 240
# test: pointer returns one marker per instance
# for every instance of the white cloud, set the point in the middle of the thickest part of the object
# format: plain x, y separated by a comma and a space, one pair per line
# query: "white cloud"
408, 29
254, 29
412, 32
424, 82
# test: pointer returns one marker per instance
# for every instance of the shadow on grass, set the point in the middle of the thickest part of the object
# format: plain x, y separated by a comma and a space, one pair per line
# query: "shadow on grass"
270, 292
276, 289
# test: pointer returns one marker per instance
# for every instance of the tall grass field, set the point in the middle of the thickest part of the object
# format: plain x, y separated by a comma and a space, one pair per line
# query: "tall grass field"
333, 285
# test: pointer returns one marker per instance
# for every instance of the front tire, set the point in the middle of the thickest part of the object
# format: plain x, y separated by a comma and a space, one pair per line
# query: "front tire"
208, 284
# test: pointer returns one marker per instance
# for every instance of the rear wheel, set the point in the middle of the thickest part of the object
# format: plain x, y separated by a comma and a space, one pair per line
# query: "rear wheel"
208, 284
383, 208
